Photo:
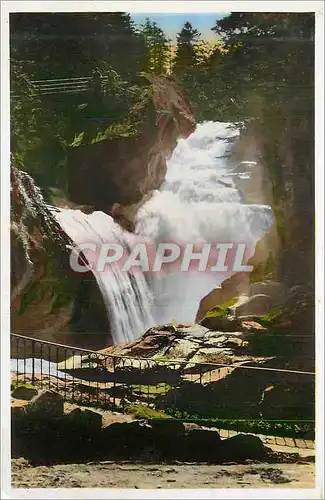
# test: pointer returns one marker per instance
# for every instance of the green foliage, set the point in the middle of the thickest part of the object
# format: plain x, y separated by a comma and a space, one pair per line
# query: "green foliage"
18, 383
140, 411
65, 45
186, 56
157, 357
221, 311
271, 317
158, 47
105, 48
284, 428
228, 304
264, 62
261, 71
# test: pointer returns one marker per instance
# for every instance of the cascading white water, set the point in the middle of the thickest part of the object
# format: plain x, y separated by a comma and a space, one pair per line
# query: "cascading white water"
127, 297
198, 202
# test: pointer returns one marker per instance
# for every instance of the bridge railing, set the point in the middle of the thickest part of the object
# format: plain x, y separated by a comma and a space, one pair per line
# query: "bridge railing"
184, 388
106, 379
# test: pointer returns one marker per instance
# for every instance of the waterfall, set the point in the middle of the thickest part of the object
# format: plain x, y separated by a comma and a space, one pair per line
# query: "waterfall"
199, 202
127, 297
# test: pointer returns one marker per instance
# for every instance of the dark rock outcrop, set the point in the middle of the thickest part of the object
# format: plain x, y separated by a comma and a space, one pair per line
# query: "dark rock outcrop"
51, 435
46, 402
285, 155
232, 287
222, 320
48, 300
23, 392
243, 447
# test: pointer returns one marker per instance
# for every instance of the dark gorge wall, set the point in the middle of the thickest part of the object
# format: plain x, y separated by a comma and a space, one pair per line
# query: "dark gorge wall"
286, 148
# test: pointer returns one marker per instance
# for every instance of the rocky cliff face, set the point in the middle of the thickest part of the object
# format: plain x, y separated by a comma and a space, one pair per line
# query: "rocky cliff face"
116, 175
45, 294
286, 158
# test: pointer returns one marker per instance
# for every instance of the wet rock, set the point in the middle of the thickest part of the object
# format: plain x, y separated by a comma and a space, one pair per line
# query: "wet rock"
252, 327
167, 341
214, 341
232, 287
182, 349
220, 322
235, 343
256, 305
274, 289
209, 353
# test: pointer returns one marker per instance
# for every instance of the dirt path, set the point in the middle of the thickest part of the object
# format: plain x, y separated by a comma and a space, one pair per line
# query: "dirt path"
156, 476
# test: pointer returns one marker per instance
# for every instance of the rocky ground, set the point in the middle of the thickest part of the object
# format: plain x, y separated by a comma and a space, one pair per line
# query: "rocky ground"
236, 461
109, 474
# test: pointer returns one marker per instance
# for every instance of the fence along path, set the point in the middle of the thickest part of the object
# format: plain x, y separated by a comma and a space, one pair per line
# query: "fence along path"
109, 381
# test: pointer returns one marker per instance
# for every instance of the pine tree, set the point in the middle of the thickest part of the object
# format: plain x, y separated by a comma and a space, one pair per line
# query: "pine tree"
158, 47
63, 45
186, 56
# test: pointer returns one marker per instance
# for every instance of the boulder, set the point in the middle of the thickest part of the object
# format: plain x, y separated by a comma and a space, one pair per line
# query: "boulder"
167, 341
167, 427
18, 411
274, 289
168, 437
127, 439
219, 319
202, 445
47, 403
88, 420
257, 305
232, 287
242, 447
23, 392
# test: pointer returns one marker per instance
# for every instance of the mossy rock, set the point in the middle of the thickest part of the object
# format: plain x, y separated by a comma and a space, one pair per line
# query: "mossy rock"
219, 312
140, 411
221, 319
26, 392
